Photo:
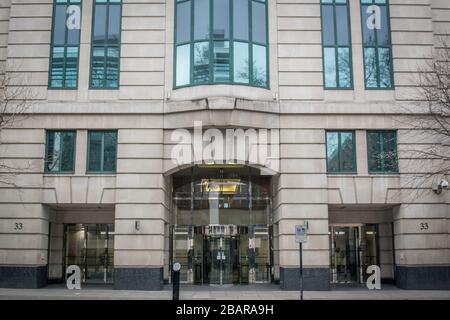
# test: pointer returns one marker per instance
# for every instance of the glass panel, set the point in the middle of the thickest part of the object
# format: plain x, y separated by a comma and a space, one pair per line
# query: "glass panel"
384, 60
112, 67
90, 246
328, 25
67, 151
342, 26
183, 65
383, 32
369, 247
201, 19
332, 151
221, 18
57, 67
368, 34
240, 19
344, 254
114, 24
259, 66
240, 62
221, 61
59, 29
262, 265
259, 22
330, 67
373, 151
53, 152
109, 153
74, 247
73, 35
183, 22
347, 152
96, 253
71, 67
181, 249
95, 151
370, 67
100, 24
98, 67
344, 65
390, 151
201, 62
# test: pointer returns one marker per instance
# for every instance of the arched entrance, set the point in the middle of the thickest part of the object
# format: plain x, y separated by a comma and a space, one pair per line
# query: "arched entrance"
222, 224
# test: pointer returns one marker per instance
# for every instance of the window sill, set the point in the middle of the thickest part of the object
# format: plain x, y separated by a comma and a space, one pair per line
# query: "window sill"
199, 92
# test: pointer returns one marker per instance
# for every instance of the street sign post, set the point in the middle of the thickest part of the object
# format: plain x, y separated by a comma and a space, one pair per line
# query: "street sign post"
301, 237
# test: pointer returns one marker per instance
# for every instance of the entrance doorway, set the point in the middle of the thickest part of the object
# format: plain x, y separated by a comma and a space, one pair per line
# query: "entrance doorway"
352, 249
221, 255
221, 232
91, 247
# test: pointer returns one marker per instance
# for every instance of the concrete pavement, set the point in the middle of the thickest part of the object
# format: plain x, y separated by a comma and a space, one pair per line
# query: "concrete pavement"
254, 292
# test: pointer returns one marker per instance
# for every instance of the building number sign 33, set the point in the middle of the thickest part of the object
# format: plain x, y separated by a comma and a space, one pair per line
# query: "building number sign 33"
18, 226
423, 226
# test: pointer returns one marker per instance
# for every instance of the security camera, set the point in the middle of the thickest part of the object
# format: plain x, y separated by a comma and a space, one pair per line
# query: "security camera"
442, 185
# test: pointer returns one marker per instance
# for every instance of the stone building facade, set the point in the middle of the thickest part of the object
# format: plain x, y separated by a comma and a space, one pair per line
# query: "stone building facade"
113, 82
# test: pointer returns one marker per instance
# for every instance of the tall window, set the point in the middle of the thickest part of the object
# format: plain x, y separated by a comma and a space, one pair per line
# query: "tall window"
60, 151
65, 44
336, 40
382, 151
102, 151
377, 44
221, 41
105, 55
341, 152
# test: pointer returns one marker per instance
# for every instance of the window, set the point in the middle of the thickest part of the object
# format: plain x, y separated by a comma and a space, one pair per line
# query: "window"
102, 151
382, 151
105, 51
336, 42
341, 152
60, 151
377, 47
221, 41
65, 44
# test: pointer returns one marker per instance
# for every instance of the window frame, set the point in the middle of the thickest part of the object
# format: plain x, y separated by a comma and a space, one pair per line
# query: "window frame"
211, 41
376, 47
355, 160
105, 46
47, 132
336, 47
380, 132
101, 171
49, 81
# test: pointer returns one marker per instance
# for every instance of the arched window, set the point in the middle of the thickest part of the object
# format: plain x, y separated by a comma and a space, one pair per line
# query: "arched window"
215, 41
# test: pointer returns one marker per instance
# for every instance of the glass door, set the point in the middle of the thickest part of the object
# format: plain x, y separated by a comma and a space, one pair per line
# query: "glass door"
91, 247
344, 255
221, 260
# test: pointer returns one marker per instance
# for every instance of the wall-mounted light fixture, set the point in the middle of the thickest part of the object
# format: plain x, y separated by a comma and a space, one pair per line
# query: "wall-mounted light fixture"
137, 225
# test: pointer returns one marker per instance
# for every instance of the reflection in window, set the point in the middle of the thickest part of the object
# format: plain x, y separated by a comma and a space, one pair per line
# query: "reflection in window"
377, 44
341, 152
105, 55
382, 151
224, 40
65, 44
336, 44
60, 151
201, 62
102, 147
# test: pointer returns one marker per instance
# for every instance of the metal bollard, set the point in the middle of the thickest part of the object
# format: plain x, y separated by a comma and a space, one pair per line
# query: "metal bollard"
176, 281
